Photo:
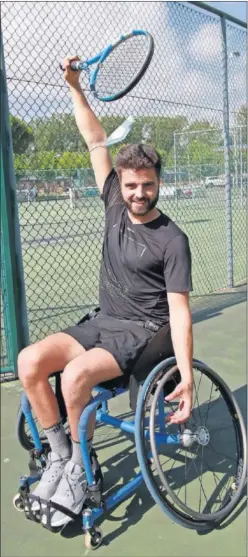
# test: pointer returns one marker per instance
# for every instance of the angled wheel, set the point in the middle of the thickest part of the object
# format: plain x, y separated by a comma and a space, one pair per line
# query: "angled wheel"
22, 428
23, 432
93, 538
24, 435
199, 479
17, 502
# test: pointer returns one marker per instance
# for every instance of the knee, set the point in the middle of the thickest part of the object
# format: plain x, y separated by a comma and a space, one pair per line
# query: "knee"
73, 383
28, 365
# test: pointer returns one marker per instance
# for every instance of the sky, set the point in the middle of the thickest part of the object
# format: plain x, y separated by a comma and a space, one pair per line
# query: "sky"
236, 9
184, 77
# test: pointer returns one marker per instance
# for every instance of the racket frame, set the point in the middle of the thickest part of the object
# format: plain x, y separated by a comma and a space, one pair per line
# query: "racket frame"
101, 56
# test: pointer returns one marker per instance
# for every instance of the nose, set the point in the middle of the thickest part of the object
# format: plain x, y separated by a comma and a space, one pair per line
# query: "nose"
139, 192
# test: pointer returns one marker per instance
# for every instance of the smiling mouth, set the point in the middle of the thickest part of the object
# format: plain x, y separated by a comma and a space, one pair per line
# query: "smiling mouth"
139, 202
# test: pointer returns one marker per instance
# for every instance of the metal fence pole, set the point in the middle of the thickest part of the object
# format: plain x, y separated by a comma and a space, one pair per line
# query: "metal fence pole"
241, 166
11, 242
62, 248
227, 155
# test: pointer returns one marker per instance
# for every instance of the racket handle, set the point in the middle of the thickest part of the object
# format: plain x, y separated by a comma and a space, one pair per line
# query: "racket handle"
75, 65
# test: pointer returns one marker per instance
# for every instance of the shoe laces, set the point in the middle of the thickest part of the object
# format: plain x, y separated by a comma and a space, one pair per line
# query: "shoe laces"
50, 461
71, 482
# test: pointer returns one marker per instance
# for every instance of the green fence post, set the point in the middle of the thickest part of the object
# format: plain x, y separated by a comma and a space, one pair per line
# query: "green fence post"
10, 242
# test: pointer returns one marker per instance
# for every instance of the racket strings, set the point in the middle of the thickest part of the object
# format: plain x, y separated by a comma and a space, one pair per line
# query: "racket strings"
121, 66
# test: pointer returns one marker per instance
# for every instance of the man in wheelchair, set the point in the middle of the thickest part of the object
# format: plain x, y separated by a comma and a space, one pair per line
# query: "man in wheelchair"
145, 280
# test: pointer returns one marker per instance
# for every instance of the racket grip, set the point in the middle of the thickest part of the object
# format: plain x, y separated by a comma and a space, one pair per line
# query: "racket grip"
75, 65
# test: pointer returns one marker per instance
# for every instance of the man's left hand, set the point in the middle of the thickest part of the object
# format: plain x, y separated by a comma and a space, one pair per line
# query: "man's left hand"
183, 391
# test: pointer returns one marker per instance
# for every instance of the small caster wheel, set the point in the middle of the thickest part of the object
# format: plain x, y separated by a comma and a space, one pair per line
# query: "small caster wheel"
18, 504
94, 538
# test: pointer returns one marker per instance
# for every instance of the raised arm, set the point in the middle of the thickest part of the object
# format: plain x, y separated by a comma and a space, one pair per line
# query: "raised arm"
89, 126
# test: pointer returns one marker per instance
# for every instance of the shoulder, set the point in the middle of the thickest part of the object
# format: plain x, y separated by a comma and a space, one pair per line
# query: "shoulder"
171, 231
111, 194
111, 180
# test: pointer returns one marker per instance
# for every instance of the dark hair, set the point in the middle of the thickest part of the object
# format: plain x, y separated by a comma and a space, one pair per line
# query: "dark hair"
137, 156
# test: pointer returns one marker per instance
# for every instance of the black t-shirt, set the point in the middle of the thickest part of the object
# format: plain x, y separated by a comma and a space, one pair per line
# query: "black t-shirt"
140, 262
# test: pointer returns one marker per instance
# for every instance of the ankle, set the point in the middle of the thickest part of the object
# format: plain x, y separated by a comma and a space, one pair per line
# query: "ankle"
58, 440
76, 456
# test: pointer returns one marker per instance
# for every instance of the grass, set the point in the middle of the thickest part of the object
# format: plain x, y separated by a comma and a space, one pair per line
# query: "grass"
62, 251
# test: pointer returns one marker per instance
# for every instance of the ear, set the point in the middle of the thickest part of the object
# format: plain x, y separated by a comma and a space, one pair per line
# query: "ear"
118, 170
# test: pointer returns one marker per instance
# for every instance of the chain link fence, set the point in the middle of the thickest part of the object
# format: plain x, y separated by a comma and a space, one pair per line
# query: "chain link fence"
177, 106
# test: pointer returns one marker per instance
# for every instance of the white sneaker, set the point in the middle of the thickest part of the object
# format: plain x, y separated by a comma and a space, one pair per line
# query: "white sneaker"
49, 480
70, 493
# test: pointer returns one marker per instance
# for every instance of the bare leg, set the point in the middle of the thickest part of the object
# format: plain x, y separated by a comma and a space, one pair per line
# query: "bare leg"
80, 376
36, 363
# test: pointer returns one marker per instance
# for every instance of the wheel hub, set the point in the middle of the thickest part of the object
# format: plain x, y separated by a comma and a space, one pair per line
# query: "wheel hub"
187, 438
201, 436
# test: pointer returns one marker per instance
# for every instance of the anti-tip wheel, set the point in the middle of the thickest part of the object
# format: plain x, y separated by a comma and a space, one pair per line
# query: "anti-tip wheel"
18, 504
94, 539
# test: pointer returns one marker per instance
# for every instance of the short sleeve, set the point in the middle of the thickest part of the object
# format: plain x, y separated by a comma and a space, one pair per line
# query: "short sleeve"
177, 265
111, 194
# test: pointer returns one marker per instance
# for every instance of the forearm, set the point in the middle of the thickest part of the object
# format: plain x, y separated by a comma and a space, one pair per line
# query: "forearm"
87, 122
182, 339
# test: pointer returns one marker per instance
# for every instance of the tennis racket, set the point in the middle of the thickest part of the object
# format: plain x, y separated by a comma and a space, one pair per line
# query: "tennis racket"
119, 67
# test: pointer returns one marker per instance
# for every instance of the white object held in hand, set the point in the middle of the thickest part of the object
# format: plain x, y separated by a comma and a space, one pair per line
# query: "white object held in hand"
121, 132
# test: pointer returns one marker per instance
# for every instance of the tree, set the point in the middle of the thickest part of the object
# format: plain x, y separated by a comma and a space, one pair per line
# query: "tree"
22, 135
242, 115
199, 149
58, 133
48, 160
242, 121
110, 123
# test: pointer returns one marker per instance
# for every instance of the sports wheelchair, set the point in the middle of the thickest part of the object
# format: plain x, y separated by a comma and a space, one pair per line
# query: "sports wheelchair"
195, 472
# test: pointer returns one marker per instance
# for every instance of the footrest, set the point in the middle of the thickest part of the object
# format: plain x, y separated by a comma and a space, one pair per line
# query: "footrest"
46, 510
28, 499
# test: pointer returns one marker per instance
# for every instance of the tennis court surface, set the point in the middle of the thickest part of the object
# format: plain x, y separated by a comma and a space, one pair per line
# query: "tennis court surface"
137, 527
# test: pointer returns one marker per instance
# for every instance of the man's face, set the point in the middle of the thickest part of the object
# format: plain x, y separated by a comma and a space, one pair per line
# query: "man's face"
140, 190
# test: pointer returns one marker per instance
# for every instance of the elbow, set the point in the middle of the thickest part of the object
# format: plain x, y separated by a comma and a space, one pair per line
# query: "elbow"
96, 139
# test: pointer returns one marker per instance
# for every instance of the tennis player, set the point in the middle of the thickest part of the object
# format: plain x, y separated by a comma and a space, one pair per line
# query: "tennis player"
145, 280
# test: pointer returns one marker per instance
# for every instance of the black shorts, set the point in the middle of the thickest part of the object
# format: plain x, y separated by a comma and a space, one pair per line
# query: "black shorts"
125, 340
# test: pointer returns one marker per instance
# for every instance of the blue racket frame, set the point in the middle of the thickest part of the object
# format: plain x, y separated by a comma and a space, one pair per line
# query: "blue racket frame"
99, 59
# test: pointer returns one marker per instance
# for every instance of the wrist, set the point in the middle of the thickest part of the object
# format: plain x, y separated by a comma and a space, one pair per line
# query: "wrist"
187, 376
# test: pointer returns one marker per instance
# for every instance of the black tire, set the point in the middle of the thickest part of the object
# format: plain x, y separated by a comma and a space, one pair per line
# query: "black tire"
22, 429
234, 492
146, 463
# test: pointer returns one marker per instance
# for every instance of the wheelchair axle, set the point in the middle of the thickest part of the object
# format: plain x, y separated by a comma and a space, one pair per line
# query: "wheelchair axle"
200, 436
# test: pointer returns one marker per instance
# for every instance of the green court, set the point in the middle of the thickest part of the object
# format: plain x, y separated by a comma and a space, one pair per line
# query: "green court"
136, 527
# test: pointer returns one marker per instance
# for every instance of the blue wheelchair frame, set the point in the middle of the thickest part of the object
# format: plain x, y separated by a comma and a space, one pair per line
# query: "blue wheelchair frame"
95, 505
99, 404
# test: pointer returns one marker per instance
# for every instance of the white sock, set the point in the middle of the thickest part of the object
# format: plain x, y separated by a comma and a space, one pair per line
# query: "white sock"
58, 440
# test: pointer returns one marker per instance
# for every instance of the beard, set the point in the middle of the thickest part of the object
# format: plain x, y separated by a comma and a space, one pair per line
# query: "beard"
146, 207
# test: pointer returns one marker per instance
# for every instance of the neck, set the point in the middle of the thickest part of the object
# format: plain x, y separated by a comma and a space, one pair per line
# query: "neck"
143, 219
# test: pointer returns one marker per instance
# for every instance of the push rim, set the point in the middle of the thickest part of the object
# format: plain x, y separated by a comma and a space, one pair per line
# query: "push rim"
199, 444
